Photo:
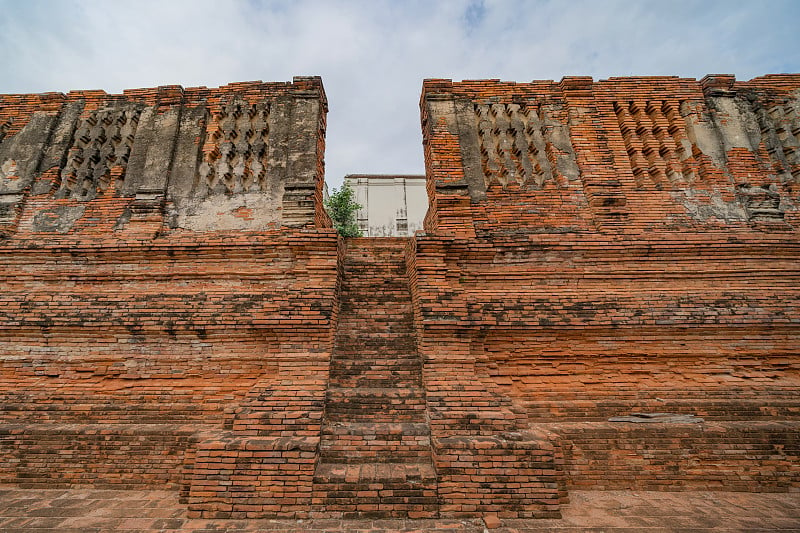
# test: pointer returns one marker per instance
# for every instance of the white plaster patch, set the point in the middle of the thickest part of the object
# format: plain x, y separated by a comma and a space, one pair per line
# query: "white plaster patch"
249, 211
8, 169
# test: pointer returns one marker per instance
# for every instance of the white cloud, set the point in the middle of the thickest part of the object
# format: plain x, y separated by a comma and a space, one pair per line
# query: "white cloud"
373, 55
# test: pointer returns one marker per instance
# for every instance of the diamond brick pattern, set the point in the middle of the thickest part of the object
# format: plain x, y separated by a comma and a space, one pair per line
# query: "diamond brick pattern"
605, 297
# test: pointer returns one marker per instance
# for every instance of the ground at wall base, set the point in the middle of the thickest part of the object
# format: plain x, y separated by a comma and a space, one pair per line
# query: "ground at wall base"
108, 510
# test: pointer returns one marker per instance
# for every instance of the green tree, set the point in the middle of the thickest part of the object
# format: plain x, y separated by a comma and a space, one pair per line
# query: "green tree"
342, 207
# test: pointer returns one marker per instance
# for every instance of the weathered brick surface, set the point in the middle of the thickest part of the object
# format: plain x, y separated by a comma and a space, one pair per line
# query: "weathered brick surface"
168, 292
605, 297
375, 453
645, 264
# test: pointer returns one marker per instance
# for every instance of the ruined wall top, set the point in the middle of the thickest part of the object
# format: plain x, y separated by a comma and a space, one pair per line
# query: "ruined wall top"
246, 156
629, 155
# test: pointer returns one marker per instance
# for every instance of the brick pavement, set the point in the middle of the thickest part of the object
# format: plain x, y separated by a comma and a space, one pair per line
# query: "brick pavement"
91, 510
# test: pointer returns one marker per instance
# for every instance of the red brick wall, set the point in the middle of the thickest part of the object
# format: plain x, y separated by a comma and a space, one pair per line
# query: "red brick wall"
592, 250
657, 274
135, 352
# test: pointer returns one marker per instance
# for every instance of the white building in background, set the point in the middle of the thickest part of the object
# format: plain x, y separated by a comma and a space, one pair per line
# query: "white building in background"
392, 206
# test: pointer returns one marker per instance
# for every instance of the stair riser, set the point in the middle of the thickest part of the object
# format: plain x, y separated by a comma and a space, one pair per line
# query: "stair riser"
370, 464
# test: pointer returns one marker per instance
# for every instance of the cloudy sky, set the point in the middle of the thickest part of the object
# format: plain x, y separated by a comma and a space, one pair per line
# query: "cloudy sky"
373, 55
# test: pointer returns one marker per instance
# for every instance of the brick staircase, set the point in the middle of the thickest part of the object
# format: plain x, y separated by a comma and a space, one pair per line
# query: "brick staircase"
375, 450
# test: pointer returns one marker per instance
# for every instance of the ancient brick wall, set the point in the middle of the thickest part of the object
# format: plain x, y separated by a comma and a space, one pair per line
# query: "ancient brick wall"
168, 290
600, 249
641, 154
248, 156
605, 296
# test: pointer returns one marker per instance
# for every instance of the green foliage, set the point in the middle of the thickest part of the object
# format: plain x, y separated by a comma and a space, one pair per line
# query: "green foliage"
342, 209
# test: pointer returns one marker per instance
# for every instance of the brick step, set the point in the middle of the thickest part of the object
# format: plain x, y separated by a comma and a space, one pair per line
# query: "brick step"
381, 261
373, 253
377, 258
396, 329
377, 280
378, 354
363, 341
350, 507
384, 304
391, 271
389, 371
376, 247
381, 357
368, 350
362, 364
397, 344
380, 324
379, 443
393, 274
403, 356
381, 302
362, 306
371, 351
376, 254
375, 453
375, 287
375, 404
377, 380
375, 414
386, 266
376, 311
383, 430
358, 451
376, 483
407, 396
357, 312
